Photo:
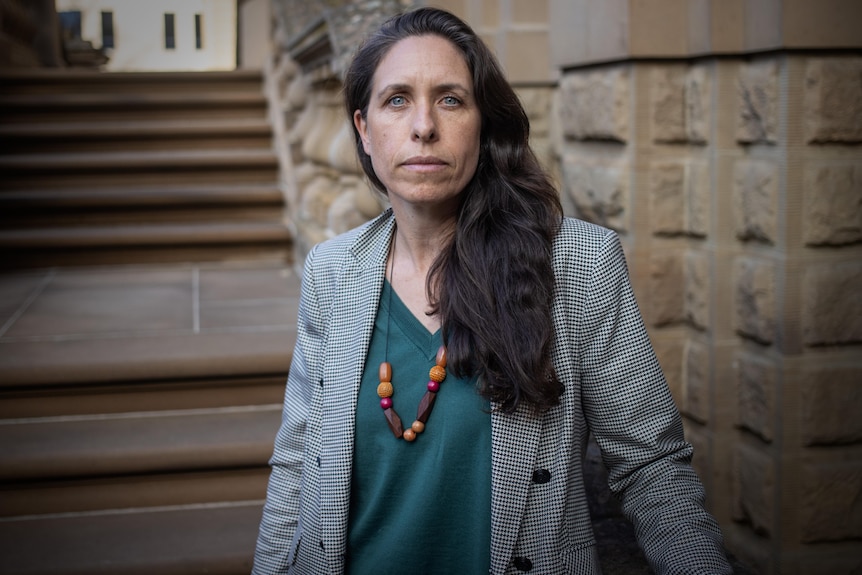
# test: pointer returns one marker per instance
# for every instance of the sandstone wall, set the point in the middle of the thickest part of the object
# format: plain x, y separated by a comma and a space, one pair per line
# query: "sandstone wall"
735, 183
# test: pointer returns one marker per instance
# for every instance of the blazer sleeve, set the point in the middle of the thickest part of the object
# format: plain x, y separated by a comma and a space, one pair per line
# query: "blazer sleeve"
630, 412
275, 545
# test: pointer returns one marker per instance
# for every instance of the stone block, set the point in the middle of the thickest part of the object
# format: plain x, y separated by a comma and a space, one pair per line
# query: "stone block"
679, 101
343, 214
833, 204
327, 121
679, 289
829, 508
755, 300
756, 388
831, 404
599, 191
316, 199
667, 294
697, 286
669, 353
594, 104
702, 459
342, 150
758, 101
679, 198
831, 304
833, 100
537, 105
696, 398
754, 489
755, 200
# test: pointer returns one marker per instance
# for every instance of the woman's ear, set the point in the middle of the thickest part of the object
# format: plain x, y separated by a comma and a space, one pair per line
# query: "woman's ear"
362, 128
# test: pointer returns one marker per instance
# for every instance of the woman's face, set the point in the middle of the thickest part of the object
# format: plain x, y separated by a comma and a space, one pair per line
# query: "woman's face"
423, 126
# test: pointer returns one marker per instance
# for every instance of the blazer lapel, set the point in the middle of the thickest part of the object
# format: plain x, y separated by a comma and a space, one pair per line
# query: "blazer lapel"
355, 302
515, 442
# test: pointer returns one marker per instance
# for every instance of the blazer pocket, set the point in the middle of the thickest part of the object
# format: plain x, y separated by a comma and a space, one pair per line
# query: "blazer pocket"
293, 554
582, 559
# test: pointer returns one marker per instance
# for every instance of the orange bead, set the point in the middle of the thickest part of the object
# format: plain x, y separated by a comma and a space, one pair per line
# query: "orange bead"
437, 374
384, 389
385, 371
409, 434
418, 426
441, 356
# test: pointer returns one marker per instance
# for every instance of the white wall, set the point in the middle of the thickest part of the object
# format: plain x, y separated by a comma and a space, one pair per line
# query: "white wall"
255, 20
139, 37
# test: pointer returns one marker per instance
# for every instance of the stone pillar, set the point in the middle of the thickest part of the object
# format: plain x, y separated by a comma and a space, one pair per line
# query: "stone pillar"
722, 140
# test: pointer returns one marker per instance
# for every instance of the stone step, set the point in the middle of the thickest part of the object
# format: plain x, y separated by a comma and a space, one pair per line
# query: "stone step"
96, 107
209, 335
174, 160
70, 397
27, 498
66, 199
100, 245
138, 168
216, 539
34, 81
107, 136
136, 443
194, 234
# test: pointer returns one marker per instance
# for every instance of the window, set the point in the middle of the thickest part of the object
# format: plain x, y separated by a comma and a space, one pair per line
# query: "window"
107, 30
170, 40
199, 39
70, 22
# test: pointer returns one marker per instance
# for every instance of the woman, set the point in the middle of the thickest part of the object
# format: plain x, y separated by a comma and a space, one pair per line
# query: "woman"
527, 323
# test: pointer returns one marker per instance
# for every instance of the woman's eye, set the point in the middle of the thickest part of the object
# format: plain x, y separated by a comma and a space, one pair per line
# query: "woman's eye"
397, 100
451, 101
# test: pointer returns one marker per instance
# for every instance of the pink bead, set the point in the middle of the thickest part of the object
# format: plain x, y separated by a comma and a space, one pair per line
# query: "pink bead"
433, 386
386, 402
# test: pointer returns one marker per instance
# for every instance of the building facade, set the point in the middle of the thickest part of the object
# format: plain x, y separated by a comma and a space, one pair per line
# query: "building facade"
157, 35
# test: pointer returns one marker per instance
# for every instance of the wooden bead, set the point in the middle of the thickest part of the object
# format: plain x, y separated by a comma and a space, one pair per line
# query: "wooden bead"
441, 356
409, 434
426, 404
394, 422
384, 389
437, 373
385, 371
418, 426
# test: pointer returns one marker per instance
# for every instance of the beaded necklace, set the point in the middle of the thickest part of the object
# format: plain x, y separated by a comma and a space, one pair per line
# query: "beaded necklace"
385, 389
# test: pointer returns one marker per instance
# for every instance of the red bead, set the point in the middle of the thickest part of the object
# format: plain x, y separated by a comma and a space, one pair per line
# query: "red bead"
386, 402
433, 386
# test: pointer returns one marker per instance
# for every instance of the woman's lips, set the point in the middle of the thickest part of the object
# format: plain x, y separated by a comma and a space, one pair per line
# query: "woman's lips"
424, 163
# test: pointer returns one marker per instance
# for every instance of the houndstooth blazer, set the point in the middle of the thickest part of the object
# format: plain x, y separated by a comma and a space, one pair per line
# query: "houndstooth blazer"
540, 521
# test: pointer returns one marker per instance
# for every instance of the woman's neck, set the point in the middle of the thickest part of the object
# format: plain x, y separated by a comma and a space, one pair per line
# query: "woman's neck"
418, 240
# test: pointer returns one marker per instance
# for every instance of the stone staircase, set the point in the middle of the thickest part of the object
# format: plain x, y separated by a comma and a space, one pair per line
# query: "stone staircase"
147, 312
120, 168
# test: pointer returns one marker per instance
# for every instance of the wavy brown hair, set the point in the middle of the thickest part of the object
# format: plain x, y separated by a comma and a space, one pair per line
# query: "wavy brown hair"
493, 284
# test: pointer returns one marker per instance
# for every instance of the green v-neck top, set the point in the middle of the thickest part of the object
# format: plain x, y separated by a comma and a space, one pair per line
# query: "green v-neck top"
425, 506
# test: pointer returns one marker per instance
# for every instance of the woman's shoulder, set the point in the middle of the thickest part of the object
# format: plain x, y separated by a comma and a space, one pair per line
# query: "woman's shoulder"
361, 242
575, 233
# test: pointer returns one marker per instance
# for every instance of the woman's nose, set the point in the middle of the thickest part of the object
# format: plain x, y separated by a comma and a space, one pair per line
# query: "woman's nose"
424, 124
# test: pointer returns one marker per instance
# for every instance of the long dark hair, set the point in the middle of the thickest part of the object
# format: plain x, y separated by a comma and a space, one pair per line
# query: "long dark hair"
493, 284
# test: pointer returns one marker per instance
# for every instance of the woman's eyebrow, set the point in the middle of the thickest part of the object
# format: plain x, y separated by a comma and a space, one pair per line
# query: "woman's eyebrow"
449, 87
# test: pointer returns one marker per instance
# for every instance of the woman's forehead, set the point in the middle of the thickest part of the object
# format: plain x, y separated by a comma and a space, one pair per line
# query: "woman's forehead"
419, 58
